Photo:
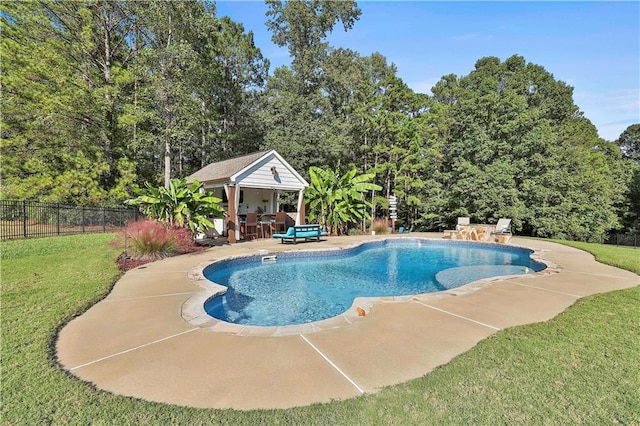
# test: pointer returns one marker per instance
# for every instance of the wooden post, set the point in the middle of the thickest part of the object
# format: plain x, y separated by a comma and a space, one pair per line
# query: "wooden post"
232, 215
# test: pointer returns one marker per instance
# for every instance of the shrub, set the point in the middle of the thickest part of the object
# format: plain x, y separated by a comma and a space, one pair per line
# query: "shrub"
184, 240
380, 225
149, 239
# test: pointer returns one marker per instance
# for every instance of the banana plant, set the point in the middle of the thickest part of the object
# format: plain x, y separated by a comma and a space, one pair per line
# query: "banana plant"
179, 205
336, 201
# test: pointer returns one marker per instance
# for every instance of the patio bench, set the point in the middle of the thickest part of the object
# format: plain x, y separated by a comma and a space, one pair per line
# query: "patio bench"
301, 232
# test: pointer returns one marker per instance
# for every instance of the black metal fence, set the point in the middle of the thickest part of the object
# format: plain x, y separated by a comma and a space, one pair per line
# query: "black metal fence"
632, 240
24, 219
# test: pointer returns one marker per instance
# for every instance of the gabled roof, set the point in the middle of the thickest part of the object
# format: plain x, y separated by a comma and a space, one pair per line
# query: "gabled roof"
265, 169
223, 170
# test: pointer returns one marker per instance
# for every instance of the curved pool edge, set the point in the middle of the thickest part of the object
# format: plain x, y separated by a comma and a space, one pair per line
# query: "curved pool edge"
135, 342
194, 313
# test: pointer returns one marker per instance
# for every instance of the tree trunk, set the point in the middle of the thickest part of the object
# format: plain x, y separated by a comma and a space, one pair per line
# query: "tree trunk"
167, 118
373, 192
110, 131
167, 161
203, 136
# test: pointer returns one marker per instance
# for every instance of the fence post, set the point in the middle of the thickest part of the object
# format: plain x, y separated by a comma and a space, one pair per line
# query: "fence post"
58, 218
24, 218
82, 219
104, 219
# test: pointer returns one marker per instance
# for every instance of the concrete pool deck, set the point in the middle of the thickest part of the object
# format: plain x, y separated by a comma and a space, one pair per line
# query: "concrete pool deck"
136, 341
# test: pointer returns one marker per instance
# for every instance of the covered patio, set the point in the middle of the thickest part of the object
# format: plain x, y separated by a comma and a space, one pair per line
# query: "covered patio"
250, 188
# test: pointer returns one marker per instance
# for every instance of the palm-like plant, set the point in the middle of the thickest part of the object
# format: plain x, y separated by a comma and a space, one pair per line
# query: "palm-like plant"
179, 205
337, 201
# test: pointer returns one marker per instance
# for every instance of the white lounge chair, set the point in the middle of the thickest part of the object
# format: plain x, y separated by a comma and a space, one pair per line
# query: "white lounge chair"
463, 221
503, 227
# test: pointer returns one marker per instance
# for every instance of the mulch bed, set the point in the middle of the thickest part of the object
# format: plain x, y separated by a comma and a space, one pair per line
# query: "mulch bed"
126, 263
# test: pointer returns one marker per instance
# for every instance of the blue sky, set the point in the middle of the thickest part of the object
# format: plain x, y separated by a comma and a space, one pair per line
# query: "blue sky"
592, 46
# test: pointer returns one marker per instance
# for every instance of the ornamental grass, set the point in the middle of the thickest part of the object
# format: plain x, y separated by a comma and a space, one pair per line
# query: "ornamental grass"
380, 225
148, 239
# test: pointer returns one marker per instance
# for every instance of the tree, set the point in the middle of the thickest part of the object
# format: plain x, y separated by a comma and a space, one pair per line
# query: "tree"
240, 73
303, 129
519, 147
630, 211
297, 115
629, 142
167, 67
199, 77
302, 26
62, 68
101, 95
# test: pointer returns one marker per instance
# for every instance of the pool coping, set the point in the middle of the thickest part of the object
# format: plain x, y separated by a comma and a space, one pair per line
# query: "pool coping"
136, 342
194, 313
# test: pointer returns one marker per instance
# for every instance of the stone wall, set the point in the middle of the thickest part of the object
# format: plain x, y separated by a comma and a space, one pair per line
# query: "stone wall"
477, 233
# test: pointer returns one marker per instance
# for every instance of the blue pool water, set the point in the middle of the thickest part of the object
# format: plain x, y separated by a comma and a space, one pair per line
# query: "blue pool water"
302, 287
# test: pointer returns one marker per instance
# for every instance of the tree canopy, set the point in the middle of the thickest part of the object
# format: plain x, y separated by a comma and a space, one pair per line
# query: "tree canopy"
101, 97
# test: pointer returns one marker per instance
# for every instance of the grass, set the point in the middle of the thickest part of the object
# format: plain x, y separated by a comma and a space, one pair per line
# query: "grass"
620, 256
582, 367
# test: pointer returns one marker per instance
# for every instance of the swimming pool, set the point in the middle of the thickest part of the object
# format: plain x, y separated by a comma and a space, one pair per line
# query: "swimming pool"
302, 287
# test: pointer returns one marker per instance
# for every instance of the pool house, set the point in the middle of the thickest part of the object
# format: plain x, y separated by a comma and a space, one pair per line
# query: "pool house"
250, 188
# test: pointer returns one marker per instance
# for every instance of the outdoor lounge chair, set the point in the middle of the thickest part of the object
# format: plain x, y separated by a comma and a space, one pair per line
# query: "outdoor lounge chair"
503, 227
463, 221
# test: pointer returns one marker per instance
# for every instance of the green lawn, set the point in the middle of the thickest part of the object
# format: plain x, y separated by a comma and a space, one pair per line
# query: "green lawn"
623, 257
581, 367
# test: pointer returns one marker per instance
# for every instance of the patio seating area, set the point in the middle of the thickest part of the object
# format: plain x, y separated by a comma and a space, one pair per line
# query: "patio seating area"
260, 226
465, 230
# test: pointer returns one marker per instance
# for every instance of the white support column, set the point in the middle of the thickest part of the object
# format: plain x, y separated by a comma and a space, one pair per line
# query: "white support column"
272, 202
225, 188
301, 213
236, 201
